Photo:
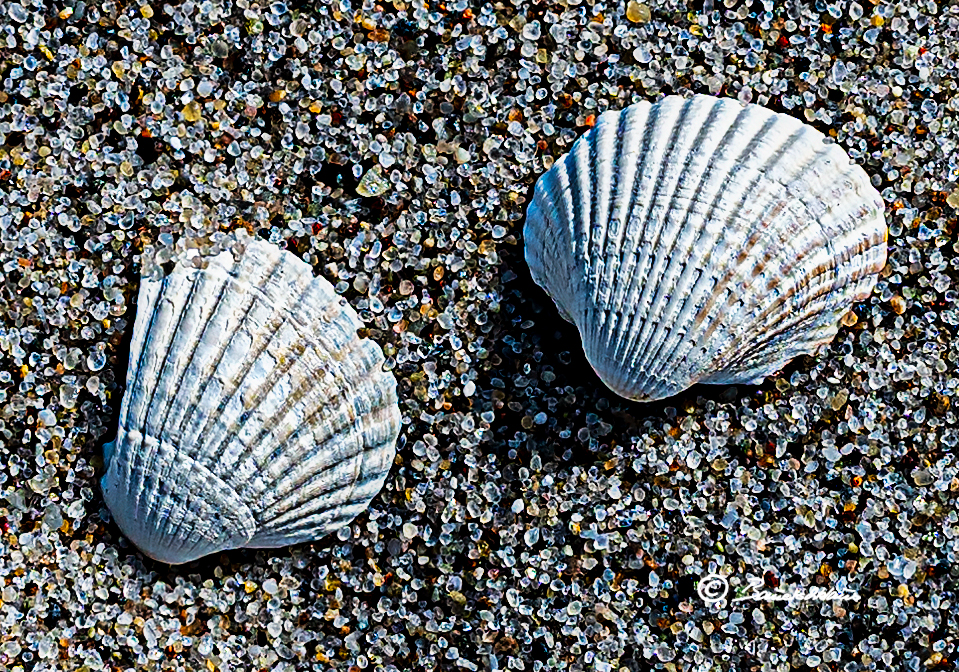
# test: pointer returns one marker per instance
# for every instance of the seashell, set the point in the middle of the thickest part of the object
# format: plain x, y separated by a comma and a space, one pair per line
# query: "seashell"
702, 241
254, 415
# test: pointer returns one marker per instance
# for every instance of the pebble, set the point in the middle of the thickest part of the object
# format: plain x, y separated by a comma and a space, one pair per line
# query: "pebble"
637, 12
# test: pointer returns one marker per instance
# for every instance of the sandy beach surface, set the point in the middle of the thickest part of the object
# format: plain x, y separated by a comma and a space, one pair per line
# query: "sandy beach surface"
532, 520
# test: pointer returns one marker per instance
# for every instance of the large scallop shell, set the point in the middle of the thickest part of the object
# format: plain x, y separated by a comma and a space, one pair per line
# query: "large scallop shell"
254, 415
702, 241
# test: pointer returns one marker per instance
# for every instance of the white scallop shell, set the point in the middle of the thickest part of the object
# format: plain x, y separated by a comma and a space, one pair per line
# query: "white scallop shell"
254, 415
702, 241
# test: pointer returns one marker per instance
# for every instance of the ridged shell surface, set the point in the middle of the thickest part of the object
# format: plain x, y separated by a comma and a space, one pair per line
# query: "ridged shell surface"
700, 240
254, 416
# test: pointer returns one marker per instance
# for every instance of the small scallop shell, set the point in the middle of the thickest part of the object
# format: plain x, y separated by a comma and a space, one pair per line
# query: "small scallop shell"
254, 415
701, 241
